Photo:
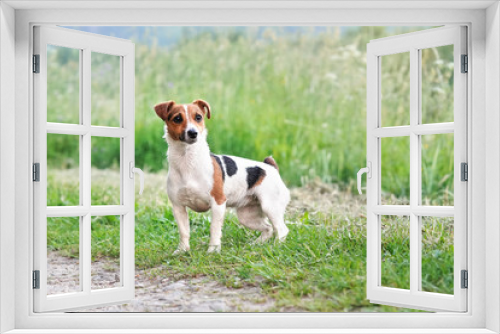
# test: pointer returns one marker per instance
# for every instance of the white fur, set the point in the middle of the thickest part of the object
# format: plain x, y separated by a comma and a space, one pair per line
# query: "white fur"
190, 125
190, 181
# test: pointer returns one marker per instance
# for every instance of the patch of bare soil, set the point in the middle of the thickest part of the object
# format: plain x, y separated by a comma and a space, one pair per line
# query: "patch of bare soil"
318, 197
155, 292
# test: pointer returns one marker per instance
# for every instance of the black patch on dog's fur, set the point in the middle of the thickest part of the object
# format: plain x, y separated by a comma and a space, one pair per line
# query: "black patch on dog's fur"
220, 165
253, 175
231, 167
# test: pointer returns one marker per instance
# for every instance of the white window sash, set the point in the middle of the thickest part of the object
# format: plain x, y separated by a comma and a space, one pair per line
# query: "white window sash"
86, 43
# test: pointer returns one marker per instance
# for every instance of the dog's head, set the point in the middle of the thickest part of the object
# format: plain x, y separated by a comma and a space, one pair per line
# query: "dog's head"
184, 122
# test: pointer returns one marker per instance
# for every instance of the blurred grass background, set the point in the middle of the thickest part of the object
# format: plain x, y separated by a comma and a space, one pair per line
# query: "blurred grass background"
299, 96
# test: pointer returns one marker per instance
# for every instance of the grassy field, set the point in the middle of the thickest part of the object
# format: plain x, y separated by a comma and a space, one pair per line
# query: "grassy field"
321, 267
301, 98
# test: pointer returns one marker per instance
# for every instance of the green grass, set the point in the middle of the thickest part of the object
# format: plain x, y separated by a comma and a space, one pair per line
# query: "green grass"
321, 267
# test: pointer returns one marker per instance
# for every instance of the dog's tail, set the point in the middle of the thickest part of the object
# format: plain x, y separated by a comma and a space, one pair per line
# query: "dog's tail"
270, 161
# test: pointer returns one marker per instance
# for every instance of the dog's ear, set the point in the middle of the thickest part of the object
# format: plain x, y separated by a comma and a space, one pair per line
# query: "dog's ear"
204, 106
162, 109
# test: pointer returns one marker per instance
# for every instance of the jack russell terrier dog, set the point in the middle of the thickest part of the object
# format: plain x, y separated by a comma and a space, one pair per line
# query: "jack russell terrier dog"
200, 180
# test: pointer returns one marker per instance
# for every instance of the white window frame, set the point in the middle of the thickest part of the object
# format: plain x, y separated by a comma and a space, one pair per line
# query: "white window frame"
412, 44
124, 51
484, 147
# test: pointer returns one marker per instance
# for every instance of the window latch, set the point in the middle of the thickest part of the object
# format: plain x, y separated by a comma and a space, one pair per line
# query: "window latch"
133, 170
368, 171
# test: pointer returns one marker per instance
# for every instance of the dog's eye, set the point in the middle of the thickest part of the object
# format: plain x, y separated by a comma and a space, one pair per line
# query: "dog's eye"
198, 117
178, 119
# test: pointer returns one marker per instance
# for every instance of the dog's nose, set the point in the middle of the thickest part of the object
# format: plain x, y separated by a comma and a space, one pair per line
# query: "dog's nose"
192, 134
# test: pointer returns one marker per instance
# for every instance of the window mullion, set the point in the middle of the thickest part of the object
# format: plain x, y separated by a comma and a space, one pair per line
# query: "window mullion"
85, 168
414, 171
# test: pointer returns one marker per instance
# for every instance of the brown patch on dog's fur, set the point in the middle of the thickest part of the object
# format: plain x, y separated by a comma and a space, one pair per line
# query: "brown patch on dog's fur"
175, 131
270, 161
204, 106
162, 109
218, 189
167, 111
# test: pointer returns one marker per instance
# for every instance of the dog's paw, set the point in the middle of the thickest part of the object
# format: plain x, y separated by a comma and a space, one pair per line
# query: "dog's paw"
264, 237
178, 252
281, 235
181, 250
214, 249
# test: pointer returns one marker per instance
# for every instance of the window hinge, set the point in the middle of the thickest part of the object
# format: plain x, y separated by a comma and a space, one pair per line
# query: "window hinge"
464, 167
36, 172
465, 64
36, 63
465, 279
36, 279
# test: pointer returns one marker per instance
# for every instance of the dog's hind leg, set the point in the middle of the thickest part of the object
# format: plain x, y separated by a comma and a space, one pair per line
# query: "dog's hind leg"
252, 217
275, 211
182, 219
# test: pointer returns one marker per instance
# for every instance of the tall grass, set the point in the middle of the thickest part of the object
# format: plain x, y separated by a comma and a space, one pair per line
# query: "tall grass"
300, 98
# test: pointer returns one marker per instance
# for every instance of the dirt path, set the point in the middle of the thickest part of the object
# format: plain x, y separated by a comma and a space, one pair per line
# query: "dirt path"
157, 292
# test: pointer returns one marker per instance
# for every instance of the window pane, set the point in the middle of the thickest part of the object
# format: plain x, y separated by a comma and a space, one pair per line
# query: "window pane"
395, 170
437, 169
63, 251
105, 252
105, 89
437, 254
395, 90
437, 84
63, 85
105, 171
63, 170
395, 251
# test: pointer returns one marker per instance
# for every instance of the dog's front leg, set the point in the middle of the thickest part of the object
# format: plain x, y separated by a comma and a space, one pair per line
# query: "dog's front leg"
182, 219
218, 213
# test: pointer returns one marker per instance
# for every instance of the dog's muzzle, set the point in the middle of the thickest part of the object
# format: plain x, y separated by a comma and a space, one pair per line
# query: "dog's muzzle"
189, 136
